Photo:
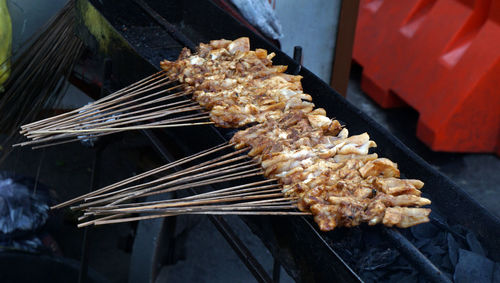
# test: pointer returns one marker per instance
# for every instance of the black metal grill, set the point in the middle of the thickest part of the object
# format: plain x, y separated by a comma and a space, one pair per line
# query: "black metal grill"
306, 253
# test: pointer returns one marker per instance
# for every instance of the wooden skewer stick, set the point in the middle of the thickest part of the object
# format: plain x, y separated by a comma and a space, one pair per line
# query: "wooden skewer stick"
188, 210
89, 109
180, 203
151, 191
46, 139
93, 222
193, 169
137, 218
155, 190
174, 202
42, 131
244, 206
97, 117
114, 121
145, 189
121, 198
204, 114
205, 196
235, 188
99, 130
58, 138
30, 132
83, 115
147, 174
71, 137
200, 205
78, 138
142, 190
127, 88
208, 195
232, 177
103, 218
67, 138
215, 162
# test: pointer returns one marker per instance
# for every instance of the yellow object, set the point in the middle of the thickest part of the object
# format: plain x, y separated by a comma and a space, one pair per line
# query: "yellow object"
5, 42
99, 27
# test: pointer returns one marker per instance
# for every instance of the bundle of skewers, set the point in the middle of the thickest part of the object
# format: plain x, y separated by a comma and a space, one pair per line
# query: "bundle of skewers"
290, 159
215, 167
154, 102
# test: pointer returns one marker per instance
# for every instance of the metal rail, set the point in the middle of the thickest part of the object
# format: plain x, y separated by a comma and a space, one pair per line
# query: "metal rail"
415, 257
170, 28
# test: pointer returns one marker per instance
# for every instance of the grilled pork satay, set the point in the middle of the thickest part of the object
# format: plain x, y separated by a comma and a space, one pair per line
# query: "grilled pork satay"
238, 86
253, 101
333, 175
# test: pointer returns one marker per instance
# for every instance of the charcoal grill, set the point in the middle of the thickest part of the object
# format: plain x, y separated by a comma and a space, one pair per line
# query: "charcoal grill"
142, 33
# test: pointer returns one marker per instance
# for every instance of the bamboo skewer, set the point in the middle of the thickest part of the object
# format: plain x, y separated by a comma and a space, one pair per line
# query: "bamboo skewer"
234, 209
169, 123
269, 199
130, 190
148, 217
115, 121
264, 193
231, 177
282, 204
210, 194
246, 194
150, 103
146, 174
200, 205
161, 124
175, 188
91, 112
98, 130
113, 95
92, 117
196, 168
258, 198
237, 197
139, 193
262, 189
154, 190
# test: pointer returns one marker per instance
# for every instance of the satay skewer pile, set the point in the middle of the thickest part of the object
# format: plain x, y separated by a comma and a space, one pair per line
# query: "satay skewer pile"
314, 164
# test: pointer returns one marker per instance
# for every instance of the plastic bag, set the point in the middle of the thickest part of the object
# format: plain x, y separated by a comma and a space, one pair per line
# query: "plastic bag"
20, 208
260, 14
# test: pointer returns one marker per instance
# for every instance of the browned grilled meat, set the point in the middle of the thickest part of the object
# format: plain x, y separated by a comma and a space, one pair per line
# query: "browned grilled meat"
333, 175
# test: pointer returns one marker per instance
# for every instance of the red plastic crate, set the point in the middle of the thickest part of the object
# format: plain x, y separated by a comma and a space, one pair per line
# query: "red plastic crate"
441, 57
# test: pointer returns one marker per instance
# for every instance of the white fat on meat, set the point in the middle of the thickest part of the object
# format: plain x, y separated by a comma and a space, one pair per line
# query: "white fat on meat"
319, 121
217, 53
241, 44
227, 83
196, 60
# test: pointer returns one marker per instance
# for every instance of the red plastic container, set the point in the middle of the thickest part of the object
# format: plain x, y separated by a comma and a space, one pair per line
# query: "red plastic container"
441, 57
